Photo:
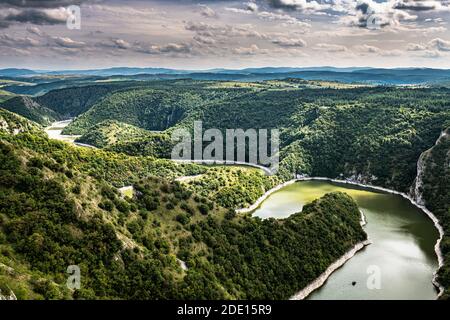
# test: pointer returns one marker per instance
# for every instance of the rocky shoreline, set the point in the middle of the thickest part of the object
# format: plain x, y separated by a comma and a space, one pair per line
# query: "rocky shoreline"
319, 281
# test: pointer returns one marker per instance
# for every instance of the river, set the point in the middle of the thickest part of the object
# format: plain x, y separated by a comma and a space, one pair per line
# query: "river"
402, 249
54, 131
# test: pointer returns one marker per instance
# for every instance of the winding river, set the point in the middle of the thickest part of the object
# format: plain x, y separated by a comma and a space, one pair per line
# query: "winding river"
402, 249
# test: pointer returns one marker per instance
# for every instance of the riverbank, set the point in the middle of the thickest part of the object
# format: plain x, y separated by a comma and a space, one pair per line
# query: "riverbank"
316, 284
261, 199
429, 214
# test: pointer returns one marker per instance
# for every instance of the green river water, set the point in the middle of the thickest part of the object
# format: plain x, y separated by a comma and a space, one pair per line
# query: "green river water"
402, 252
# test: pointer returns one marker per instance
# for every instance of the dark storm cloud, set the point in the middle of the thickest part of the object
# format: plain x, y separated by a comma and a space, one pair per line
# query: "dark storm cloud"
35, 17
363, 7
280, 4
414, 6
40, 4
34, 11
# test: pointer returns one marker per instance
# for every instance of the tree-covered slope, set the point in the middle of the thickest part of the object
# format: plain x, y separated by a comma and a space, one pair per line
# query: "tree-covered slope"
30, 109
60, 207
121, 137
111, 132
151, 108
12, 123
73, 101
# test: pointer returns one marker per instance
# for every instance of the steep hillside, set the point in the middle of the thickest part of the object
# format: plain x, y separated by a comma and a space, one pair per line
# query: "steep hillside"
148, 108
5, 95
30, 109
12, 123
71, 102
111, 132
434, 192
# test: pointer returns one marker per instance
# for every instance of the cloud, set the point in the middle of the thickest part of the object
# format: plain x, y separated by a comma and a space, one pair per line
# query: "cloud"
207, 12
393, 13
251, 6
204, 40
439, 44
289, 42
365, 48
330, 47
41, 3
170, 48
36, 17
222, 31
36, 31
252, 50
285, 18
414, 6
66, 42
415, 47
11, 16
121, 44
19, 42
434, 45
302, 5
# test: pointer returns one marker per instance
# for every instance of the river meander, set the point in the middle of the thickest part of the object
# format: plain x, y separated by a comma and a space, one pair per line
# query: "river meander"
402, 248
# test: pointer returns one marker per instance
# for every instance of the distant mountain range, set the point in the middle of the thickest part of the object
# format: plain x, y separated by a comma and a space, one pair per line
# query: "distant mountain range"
397, 76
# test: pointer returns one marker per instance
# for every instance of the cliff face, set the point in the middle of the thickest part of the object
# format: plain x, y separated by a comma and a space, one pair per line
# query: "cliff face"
427, 164
431, 188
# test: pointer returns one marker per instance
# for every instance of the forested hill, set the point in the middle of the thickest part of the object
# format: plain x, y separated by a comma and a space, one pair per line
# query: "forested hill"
30, 109
60, 207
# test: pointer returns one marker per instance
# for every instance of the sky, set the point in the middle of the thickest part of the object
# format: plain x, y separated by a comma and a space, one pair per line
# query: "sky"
185, 34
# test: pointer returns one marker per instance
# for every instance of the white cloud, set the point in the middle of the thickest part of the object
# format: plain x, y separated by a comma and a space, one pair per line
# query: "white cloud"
434, 45
252, 50
18, 42
122, 44
67, 42
439, 44
289, 42
365, 48
207, 12
35, 31
330, 47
